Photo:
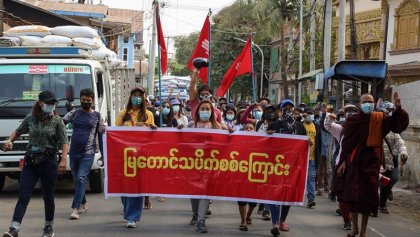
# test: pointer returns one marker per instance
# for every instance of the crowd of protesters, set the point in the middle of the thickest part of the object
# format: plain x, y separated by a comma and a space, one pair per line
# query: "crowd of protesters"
345, 155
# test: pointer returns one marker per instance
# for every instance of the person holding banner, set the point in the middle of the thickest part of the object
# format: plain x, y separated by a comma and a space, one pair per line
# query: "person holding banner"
205, 117
286, 125
134, 115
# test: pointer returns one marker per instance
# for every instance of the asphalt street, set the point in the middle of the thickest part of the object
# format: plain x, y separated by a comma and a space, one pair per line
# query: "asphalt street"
171, 218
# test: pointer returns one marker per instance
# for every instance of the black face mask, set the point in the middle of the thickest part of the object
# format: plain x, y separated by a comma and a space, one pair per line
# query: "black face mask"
270, 116
86, 105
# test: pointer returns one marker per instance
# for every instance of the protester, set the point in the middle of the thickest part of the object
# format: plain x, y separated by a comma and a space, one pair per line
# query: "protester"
313, 132
47, 135
361, 155
394, 152
257, 112
204, 118
178, 110
230, 117
222, 103
135, 115
205, 92
86, 123
326, 140
264, 102
286, 125
168, 119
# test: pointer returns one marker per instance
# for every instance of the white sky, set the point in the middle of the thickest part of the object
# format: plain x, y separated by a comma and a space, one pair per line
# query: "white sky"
179, 17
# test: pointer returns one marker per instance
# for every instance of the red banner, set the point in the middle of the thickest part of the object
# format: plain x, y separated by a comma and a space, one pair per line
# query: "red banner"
204, 163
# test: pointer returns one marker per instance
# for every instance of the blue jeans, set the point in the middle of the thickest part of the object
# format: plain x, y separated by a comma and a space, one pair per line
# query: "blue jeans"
133, 207
310, 183
80, 168
394, 175
278, 216
48, 173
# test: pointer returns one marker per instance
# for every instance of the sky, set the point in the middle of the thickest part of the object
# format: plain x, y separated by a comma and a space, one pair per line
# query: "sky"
178, 17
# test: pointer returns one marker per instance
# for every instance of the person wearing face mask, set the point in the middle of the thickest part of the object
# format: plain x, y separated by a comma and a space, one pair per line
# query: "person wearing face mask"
178, 111
313, 132
168, 118
230, 117
264, 102
86, 123
395, 155
135, 115
204, 118
286, 125
47, 135
257, 112
205, 92
361, 157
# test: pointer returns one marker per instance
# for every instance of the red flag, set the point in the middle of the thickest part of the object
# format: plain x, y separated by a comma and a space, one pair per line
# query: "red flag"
202, 49
161, 44
241, 65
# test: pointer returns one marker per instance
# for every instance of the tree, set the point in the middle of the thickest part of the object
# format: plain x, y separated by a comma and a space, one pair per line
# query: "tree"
184, 46
273, 15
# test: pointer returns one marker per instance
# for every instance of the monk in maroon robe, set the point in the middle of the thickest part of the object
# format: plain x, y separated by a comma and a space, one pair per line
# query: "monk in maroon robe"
362, 155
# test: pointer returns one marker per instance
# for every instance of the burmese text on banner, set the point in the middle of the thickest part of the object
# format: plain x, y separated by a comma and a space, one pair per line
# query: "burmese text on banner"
204, 163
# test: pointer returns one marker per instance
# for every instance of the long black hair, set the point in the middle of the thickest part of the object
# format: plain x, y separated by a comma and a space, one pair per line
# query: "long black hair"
38, 112
142, 113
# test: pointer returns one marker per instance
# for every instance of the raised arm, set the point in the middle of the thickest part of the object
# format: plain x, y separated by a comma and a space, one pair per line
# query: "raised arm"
193, 84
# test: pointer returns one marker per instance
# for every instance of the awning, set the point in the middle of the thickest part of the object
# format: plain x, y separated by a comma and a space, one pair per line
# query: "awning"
359, 70
310, 75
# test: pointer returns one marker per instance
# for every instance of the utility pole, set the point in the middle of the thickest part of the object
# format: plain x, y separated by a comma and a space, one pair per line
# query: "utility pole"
151, 77
327, 44
1, 17
312, 33
300, 50
353, 45
341, 48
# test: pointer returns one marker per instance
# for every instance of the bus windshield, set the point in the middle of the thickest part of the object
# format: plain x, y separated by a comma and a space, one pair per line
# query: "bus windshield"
21, 83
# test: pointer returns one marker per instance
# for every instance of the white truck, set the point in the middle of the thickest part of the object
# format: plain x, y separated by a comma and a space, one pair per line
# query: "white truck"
26, 71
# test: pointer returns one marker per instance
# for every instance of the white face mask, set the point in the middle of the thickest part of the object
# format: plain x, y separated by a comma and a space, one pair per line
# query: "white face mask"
342, 119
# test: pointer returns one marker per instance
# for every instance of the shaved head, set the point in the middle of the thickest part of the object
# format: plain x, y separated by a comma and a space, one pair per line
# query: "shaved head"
366, 98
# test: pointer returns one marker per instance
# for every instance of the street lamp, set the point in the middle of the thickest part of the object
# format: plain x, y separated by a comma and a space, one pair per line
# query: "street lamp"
262, 65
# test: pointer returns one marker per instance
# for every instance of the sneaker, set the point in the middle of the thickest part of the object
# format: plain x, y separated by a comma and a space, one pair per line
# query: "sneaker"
347, 226
194, 219
266, 215
83, 209
11, 233
201, 227
48, 231
131, 224
74, 214
275, 231
310, 204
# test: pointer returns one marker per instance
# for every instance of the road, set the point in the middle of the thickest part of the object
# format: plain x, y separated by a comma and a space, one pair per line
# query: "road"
171, 218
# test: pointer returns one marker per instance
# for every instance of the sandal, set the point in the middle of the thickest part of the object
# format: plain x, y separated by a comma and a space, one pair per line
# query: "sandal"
284, 227
384, 210
249, 221
243, 228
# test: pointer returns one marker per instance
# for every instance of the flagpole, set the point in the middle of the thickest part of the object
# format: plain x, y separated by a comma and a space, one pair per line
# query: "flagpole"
254, 93
159, 71
209, 68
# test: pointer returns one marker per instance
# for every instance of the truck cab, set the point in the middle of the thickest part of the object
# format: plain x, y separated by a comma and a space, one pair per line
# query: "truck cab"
25, 72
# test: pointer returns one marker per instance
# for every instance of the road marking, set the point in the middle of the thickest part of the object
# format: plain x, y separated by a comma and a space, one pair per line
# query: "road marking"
377, 232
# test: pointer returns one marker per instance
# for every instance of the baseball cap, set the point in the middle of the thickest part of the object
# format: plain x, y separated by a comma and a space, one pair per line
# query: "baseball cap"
137, 88
47, 96
285, 102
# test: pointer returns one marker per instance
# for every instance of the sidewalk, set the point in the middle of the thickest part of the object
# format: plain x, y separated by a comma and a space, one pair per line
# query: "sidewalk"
406, 201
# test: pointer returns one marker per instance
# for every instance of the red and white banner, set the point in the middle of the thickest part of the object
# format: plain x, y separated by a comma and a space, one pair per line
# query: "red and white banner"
205, 163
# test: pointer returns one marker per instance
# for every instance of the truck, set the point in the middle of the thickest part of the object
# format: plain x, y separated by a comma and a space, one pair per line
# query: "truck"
26, 71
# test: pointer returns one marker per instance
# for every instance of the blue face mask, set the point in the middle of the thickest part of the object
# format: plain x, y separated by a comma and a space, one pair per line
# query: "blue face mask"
367, 108
48, 108
166, 111
135, 100
230, 117
205, 115
175, 108
258, 115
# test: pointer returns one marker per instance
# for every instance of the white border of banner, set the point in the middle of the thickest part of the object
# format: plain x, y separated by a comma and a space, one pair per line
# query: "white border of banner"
195, 130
